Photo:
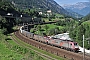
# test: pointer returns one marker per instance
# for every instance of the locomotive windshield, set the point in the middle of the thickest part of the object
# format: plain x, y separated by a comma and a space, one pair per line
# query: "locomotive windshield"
75, 43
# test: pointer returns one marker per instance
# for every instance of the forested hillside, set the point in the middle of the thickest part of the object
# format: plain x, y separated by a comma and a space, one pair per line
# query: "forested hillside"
39, 4
83, 28
6, 7
86, 17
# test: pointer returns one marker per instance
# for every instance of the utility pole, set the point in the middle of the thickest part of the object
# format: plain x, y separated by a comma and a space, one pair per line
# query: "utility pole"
83, 49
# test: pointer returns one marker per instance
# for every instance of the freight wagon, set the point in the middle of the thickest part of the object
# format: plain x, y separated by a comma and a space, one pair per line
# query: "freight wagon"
65, 44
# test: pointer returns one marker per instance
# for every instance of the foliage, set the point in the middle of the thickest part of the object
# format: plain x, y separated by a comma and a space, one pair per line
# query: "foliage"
5, 25
47, 29
86, 18
68, 23
7, 6
31, 12
78, 32
54, 31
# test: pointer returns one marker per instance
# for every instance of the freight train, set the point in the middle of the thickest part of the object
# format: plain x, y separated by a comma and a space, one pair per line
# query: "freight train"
65, 44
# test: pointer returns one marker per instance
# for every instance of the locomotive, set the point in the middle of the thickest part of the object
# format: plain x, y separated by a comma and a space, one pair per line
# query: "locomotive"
65, 44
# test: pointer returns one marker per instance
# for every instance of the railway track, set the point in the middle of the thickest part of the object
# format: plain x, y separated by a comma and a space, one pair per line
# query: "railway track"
51, 49
40, 54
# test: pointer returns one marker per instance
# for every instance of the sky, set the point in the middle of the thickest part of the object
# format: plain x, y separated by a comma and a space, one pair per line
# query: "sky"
62, 2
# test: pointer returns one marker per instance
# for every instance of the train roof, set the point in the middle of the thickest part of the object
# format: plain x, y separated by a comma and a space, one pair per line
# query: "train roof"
61, 39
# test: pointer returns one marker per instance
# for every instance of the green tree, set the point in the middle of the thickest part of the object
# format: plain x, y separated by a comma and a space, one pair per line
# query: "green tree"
52, 31
39, 29
5, 25
4, 31
46, 28
3, 22
56, 30
80, 32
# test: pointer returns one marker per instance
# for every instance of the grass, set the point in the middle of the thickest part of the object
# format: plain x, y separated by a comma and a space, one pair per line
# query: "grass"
46, 19
53, 26
8, 54
10, 50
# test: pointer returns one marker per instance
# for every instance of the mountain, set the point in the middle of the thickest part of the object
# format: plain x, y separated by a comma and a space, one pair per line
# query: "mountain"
74, 14
43, 5
82, 8
39, 4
